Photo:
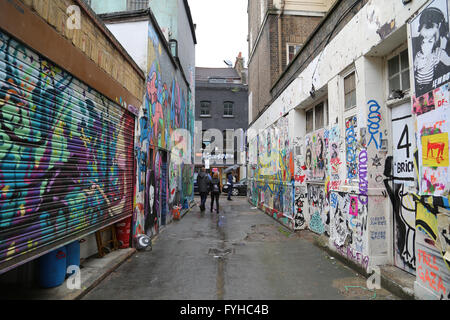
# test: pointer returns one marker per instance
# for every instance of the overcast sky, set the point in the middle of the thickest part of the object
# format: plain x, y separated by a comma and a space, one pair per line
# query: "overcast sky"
222, 29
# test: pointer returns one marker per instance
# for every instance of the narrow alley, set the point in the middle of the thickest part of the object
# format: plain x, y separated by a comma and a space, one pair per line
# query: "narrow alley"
240, 254
326, 121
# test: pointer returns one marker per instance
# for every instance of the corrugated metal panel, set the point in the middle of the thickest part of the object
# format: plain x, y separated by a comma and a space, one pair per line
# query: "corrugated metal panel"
66, 156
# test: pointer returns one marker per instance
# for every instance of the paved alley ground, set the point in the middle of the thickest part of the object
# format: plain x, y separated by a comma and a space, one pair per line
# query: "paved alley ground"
239, 254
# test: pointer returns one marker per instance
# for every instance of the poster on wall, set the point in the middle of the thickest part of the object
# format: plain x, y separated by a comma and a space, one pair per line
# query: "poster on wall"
433, 147
430, 51
403, 144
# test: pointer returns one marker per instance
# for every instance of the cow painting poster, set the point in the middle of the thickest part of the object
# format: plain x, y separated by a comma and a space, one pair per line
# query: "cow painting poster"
433, 147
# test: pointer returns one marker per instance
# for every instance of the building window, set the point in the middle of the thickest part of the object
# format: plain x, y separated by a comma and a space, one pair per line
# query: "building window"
205, 107
310, 120
137, 5
292, 50
319, 116
398, 72
316, 117
350, 91
228, 109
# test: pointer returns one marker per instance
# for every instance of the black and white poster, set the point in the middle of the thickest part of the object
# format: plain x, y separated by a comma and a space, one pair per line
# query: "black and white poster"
431, 47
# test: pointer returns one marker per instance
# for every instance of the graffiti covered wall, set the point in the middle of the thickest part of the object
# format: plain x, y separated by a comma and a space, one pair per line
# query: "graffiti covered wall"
66, 154
165, 170
430, 103
375, 179
271, 173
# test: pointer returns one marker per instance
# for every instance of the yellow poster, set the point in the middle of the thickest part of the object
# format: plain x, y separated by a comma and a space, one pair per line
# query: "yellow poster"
435, 150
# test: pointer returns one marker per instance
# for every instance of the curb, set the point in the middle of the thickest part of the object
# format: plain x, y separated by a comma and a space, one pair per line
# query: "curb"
184, 212
387, 283
102, 277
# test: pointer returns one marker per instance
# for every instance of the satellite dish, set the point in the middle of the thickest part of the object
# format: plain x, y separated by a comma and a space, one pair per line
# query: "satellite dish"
228, 63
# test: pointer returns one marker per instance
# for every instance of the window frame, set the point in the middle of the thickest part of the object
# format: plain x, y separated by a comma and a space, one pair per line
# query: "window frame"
325, 115
209, 109
292, 44
345, 76
393, 54
225, 105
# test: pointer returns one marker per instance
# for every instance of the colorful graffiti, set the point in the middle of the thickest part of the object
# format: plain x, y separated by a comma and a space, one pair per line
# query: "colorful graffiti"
272, 172
373, 125
433, 148
66, 153
348, 221
316, 161
351, 147
163, 154
319, 212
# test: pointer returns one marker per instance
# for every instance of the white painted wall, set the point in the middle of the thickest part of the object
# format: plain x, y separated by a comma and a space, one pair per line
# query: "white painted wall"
359, 46
355, 40
133, 36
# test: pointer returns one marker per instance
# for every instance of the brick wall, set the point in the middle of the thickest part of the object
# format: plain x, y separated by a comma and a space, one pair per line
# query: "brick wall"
93, 41
264, 67
259, 72
296, 29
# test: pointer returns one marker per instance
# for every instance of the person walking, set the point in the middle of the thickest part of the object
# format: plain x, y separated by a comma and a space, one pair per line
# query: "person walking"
230, 185
215, 191
203, 184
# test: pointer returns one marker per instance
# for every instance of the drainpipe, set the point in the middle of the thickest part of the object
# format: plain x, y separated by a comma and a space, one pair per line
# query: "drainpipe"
280, 47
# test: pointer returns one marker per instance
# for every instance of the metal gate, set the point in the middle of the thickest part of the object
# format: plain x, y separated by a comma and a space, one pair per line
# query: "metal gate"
66, 157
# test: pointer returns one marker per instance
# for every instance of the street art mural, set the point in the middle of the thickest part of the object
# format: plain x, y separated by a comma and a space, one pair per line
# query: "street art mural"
432, 141
272, 173
430, 49
319, 212
426, 214
66, 154
164, 154
335, 160
300, 207
316, 155
404, 208
351, 147
348, 222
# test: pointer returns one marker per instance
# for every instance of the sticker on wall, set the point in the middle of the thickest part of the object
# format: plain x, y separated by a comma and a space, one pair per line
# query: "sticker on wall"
433, 128
435, 150
436, 99
353, 209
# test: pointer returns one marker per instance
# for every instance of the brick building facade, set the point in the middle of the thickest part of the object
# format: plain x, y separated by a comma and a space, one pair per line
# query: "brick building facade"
277, 30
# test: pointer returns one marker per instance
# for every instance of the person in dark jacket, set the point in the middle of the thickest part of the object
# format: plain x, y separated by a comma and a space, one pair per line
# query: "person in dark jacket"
230, 185
215, 191
203, 184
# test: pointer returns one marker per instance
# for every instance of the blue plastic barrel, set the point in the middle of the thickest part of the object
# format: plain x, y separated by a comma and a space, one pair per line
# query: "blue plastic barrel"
52, 268
73, 254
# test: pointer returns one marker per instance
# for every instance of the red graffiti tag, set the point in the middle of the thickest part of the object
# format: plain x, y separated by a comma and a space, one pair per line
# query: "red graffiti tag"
428, 276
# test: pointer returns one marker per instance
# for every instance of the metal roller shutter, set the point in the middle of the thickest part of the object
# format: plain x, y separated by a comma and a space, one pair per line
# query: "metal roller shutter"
66, 157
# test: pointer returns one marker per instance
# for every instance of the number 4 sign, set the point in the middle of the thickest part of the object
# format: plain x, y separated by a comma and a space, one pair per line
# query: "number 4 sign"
403, 153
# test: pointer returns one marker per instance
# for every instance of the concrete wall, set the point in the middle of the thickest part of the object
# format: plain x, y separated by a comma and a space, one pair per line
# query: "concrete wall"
346, 162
